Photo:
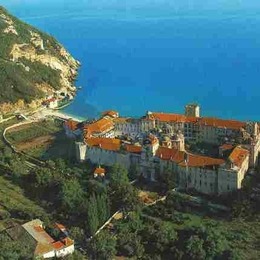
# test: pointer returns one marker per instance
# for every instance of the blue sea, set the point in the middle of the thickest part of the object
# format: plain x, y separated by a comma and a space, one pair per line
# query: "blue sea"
157, 55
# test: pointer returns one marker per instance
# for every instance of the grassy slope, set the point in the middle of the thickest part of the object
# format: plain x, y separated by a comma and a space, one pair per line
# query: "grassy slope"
15, 206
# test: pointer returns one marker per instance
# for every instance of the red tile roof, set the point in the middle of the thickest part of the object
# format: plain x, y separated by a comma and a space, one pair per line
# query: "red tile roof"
238, 156
72, 125
166, 153
203, 121
193, 160
110, 144
100, 126
166, 117
221, 123
133, 148
226, 147
110, 113
99, 171
58, 245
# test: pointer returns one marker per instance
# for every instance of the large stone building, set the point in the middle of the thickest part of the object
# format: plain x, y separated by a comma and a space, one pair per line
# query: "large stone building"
156, 143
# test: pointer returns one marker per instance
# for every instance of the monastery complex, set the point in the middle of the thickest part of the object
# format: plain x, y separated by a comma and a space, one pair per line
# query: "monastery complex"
159, 142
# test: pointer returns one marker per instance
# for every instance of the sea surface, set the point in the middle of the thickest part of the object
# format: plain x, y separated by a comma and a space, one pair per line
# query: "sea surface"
157, 55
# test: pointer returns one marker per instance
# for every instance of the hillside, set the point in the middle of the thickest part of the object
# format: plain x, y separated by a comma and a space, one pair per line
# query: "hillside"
33, 65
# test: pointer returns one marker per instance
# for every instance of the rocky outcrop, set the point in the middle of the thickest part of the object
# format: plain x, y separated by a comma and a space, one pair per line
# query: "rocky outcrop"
10, 25
36, 66
67, 66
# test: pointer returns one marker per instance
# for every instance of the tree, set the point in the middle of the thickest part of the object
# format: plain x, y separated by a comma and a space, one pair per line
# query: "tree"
43, 177
174, 201
126, 197
130, 245
241, 209
51, 164
18, 168
214, 242
103, 208
194, 248
103, 246
77, 234
168, 178
60, 165
72, 195
76, 256
165, 236
92, 215
161, 237
118, 176
95, 187
15, 250
6, 154
208, 240
133, 172
229, 255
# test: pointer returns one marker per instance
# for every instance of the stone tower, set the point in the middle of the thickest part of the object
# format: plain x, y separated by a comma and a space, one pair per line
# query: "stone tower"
192, 110
81, 151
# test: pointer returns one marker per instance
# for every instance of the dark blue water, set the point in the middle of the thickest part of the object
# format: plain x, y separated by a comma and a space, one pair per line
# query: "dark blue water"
159, 55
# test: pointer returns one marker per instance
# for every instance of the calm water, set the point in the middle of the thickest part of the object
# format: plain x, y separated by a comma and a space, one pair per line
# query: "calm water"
158, 55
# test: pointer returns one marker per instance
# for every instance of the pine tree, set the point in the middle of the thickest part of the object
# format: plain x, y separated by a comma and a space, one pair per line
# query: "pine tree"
92, 215
102, 207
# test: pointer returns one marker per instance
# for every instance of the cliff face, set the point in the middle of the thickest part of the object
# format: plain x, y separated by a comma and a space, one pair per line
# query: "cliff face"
33, 65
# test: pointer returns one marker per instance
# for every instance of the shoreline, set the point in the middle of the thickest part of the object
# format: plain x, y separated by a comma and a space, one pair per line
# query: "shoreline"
66, 116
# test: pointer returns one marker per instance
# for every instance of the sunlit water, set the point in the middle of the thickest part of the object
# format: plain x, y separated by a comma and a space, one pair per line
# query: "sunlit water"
159, 55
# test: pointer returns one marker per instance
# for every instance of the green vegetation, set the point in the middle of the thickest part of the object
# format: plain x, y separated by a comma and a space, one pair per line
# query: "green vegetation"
123, 194
15, 250
173, 229
34, 130
103, 246
2, 128
187, 237
15, 205
16, 82
46, 140
177, 228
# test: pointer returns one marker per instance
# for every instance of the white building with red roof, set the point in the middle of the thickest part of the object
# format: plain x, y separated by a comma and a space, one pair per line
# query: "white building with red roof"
105, 142
99, 172
46, 245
